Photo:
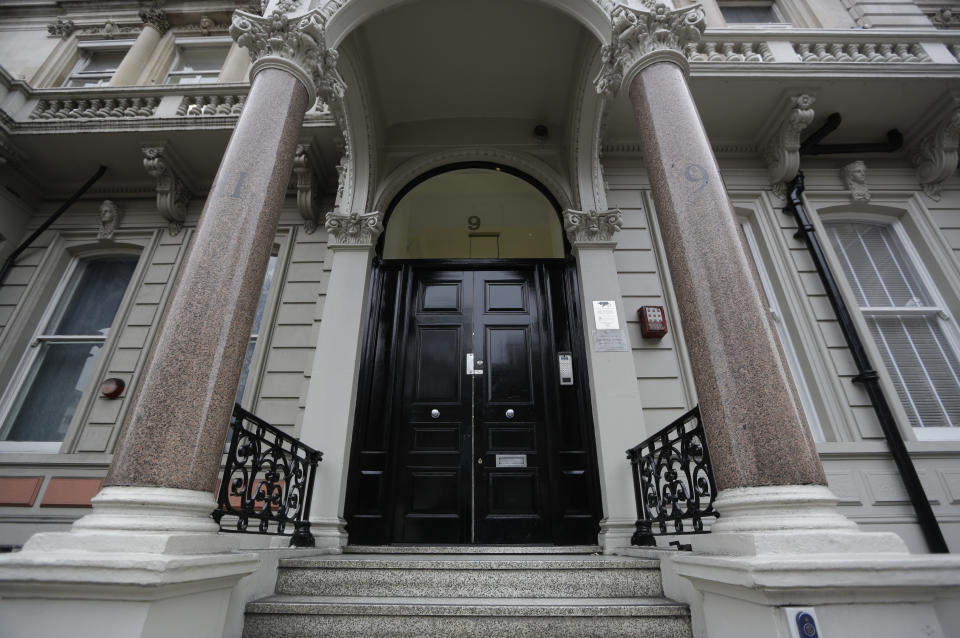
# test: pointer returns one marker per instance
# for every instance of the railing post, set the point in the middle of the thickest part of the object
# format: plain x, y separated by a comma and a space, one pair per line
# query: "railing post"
301, 528
643, 536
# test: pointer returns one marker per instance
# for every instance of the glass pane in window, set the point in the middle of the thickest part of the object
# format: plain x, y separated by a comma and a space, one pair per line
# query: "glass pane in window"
100, 61
97, 289
749, 14
255, 329
923, 366
199, 59
876, 266
61, 375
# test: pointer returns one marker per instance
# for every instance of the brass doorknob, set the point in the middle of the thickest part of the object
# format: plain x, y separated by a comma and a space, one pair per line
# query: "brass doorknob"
480, 461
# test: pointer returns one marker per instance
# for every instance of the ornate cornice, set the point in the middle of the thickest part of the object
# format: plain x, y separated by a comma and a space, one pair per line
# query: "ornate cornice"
782, 151
936, 155
641, 37
172, 193
296, 45
307, 191
156, 18
592, 228
353, 230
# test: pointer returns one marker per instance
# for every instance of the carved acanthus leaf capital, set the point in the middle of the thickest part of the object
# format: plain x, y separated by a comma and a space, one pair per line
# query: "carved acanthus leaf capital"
936, 155
172, 193
156, 18
307, 191
61, 28
782, 151
591, 227
297, 45
643, 36
353, 230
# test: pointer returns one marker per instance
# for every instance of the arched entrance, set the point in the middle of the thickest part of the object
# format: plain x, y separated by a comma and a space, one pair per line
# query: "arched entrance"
473, 420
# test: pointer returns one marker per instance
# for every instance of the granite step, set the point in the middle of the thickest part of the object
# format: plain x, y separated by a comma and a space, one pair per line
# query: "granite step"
287, 616
471, 576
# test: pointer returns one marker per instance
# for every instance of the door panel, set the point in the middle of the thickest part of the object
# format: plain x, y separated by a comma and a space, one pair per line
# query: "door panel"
419, 476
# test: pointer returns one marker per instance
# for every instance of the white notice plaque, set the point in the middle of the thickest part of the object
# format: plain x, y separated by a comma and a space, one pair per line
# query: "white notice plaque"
605, 315
511, 460
610, 341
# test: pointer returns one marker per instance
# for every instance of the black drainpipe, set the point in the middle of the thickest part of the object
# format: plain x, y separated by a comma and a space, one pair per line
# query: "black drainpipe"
867, 376
8, 262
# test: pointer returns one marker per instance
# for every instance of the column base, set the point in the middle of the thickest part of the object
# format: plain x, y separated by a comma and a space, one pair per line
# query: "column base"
145, 562
330, 532
787, 519
615, 534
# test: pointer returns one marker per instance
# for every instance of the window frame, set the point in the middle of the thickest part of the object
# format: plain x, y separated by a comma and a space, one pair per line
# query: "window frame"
48, 289
182, 43
783, 20
84, 51
283, 243
942, 310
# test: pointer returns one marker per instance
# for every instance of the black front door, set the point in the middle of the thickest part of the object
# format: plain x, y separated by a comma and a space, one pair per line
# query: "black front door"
471, 442
464, 434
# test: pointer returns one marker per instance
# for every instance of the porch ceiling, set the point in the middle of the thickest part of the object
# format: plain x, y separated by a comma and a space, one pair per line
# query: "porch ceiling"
442, 60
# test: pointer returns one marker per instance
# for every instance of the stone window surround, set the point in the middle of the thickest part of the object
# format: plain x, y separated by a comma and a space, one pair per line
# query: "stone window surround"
39, 301
922, 243
85, 48
795, 14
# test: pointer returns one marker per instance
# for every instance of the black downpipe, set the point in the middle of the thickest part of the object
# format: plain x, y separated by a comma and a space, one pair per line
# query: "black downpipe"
812, 145
8, 262
867, 376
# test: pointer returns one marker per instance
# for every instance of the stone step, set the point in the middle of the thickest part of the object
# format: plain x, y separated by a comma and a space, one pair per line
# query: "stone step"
472, 549
283, 616
477, 576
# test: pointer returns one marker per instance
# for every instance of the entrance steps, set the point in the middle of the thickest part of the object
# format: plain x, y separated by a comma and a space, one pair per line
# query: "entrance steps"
446, 594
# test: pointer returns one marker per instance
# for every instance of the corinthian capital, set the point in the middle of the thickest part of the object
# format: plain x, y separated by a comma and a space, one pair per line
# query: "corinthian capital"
592, 227
296, 45
353, 230
641, 37
156, 18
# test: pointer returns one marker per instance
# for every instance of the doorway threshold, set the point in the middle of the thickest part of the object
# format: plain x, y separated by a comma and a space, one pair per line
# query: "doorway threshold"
472, 549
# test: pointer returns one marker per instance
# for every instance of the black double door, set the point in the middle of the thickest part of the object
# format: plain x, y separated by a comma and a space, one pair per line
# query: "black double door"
472, 464
464, 433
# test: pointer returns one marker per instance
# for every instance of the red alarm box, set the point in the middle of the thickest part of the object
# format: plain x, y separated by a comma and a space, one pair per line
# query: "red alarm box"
653, 321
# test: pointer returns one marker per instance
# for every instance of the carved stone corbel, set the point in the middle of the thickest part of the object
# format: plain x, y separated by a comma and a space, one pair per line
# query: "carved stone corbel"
61, 28
782, 151
592, 228
296, 45
353, 230
641, 37
936, 155
110, 216
173, 195
307, 187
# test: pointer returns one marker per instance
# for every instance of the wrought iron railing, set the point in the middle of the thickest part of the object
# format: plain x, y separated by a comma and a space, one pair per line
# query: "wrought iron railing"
673, 481
267, 480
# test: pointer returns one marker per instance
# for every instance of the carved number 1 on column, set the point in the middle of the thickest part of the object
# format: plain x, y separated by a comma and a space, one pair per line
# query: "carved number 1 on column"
698, 174
223, 186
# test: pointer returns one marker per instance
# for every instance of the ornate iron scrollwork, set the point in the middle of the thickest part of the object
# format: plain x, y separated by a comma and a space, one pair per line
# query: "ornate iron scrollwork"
673, 481
268, 477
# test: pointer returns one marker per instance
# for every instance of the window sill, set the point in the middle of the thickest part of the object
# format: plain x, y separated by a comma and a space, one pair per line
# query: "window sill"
30, 447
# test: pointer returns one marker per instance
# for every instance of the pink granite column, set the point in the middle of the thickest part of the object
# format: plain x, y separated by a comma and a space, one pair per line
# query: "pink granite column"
753, 419
174, 434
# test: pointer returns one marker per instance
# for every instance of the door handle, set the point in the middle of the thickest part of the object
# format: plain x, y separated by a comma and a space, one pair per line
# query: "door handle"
480, 461
435, 413
510, 413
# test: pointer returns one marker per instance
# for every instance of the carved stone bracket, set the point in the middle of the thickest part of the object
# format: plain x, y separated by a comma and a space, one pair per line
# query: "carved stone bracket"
641, 37
592, 228
307, 187
156, 18
946, 18
61, 28
296, 45
936, 155
173, 195
781, 151
353, 230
